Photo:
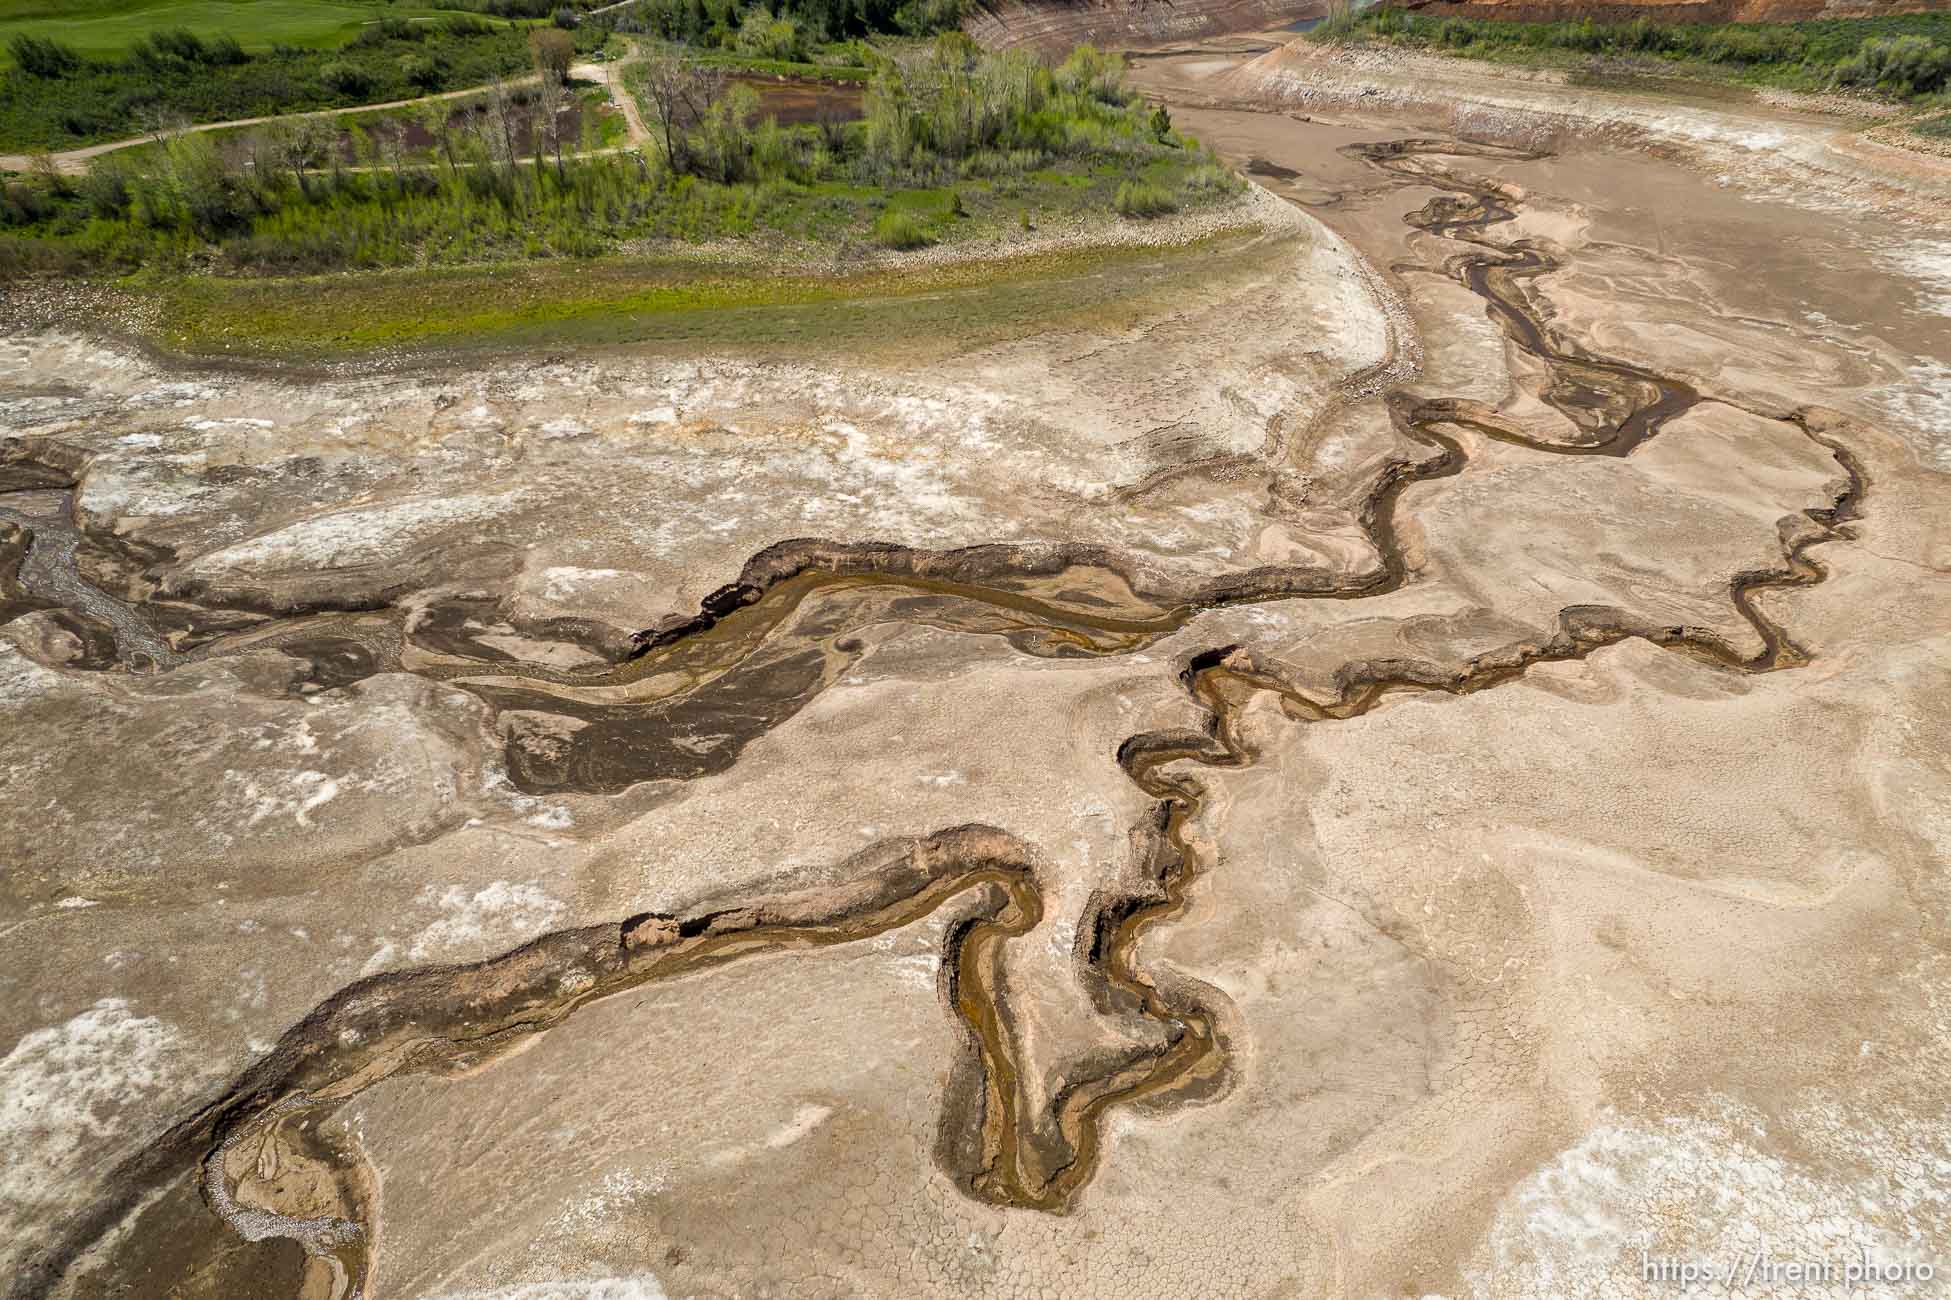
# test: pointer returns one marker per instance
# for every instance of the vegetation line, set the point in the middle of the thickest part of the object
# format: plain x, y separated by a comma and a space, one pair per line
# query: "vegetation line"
946, 144
55, 99
1903, 57
57, 96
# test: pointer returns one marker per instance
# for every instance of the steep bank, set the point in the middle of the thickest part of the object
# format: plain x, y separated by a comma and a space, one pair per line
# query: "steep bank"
1781, 143
1058, 25
1683, 11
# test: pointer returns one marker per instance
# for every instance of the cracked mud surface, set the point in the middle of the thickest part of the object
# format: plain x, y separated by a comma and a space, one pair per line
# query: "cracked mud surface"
1419, 769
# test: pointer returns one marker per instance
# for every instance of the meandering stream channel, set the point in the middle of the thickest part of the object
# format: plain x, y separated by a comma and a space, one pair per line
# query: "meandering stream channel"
764, 646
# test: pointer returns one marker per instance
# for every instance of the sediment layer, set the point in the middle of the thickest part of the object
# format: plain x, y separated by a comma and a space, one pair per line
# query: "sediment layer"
802, 603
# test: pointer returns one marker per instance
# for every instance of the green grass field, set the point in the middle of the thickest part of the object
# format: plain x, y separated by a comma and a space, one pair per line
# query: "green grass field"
106, 28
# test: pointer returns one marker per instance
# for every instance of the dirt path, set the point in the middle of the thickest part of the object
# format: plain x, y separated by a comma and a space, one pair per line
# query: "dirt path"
637, 134
605, 74
74, 161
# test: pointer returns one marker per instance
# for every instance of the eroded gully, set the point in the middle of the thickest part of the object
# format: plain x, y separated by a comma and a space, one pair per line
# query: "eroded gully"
995, 1142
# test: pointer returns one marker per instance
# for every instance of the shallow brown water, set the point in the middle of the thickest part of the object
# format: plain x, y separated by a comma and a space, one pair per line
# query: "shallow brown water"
765, 646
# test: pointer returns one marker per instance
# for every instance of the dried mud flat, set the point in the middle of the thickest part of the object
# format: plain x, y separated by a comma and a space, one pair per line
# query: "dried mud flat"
1418, 768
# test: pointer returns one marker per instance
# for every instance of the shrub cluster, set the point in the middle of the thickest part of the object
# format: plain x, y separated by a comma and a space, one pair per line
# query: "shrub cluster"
932, 112
784, 30
1906, 55
1143, 199
53, 98
1903, 65
40, 56
897, 228
494, 184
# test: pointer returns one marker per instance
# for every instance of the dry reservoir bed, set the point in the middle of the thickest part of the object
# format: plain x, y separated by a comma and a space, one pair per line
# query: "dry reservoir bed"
1414, 764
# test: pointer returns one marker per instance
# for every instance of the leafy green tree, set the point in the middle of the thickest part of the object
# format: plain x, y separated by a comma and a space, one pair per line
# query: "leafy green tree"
348, 79
553, 51
40, 56
422, 72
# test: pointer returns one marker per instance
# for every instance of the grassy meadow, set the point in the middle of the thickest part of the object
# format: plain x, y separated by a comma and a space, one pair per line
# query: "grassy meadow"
108, 29
683, 305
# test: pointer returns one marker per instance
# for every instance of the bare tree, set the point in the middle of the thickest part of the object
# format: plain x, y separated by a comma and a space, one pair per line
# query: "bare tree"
478, 139
681, 92
390, 142
160, 123
437, 121
44, 169
301, 144
550, 101
266, 158
286, 152
502, 114
499, 134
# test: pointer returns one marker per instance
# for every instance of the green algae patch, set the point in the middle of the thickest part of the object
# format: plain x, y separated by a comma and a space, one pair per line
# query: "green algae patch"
683, 305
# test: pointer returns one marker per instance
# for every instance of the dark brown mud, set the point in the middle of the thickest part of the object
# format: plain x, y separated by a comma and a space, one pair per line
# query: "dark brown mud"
15, 599
49, 572
792, 101
764, 645
696, 700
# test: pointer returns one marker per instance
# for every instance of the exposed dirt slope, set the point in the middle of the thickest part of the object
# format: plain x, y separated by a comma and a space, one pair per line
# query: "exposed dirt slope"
1060, 24
1696, 11
1065, 23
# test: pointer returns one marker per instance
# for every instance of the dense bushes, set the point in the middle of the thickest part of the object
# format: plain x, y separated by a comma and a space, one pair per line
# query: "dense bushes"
1905, 55
1142, 199
423, 73
507, 8
932, 114
179, 46
951, 136
38, 56
395, 29
347, 79
52, 99
1905, 65
899, 229
765, 36
784, 30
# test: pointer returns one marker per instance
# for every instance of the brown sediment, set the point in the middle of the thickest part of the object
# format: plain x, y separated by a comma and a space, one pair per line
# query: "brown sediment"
15, 599
454, 1019
795, 101
768, 643
49, 571
1262, 167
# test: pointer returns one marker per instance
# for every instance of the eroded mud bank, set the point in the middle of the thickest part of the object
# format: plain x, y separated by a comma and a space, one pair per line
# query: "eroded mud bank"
762, 648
